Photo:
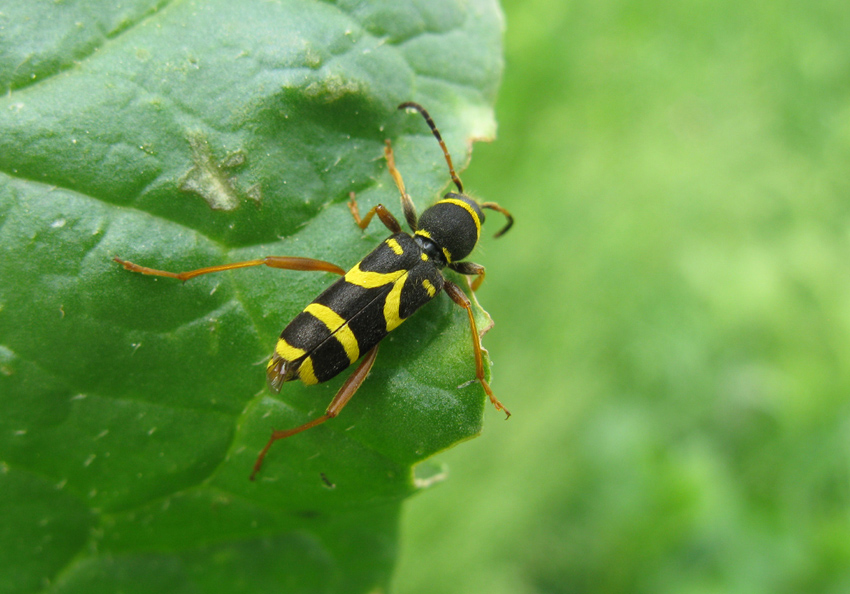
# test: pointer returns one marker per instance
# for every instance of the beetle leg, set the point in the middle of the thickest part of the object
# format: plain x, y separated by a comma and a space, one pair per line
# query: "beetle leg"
459, 297
385, 215
470, 269
284, 262
351, 385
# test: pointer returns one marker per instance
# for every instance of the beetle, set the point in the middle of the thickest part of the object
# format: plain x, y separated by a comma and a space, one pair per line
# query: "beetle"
348, 320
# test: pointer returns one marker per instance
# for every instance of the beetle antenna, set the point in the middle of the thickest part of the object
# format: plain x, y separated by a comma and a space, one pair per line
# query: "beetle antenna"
497, 208
421, 110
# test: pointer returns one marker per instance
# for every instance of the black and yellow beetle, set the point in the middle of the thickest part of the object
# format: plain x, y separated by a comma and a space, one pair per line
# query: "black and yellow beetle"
349, 319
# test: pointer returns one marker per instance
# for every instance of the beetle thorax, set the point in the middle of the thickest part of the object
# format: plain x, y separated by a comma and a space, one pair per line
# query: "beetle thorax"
453, 225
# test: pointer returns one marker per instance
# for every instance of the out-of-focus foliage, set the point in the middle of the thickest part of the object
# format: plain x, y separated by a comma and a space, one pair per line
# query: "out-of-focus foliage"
672, 309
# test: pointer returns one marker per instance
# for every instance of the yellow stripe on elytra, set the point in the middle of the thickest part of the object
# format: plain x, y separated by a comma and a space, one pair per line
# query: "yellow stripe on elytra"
338, 328
371, 280
325, 315
468, 209
392, 314
306, 373
426, 284
448, 255
288, 352
394, 246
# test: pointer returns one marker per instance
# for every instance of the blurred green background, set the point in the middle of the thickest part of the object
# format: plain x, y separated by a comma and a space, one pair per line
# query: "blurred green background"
672, 312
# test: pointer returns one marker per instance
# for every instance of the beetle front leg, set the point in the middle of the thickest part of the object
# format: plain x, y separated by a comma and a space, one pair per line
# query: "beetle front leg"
387, 218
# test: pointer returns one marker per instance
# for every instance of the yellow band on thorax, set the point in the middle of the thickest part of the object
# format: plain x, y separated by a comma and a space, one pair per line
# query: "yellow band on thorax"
468, 209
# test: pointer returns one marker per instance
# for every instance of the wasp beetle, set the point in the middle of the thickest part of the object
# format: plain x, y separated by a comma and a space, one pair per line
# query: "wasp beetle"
349, 319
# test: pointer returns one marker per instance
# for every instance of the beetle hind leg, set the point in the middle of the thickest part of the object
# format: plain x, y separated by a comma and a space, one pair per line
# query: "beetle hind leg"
351, 385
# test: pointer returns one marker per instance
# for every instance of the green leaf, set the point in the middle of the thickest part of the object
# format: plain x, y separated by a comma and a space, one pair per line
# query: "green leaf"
180, 135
